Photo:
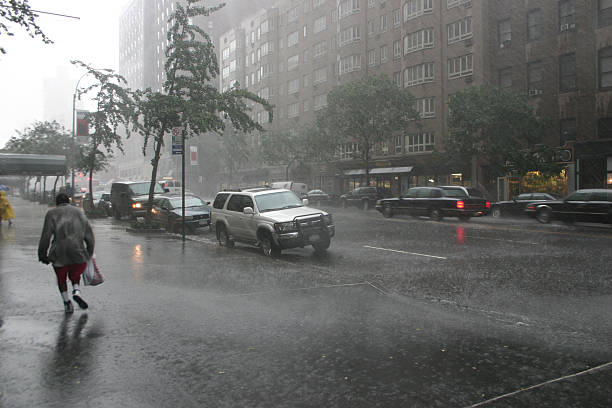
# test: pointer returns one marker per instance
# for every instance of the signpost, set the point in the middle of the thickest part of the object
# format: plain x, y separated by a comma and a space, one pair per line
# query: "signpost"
178, 147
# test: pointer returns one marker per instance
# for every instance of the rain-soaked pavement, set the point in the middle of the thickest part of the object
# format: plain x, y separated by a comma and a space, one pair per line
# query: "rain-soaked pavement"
400, 313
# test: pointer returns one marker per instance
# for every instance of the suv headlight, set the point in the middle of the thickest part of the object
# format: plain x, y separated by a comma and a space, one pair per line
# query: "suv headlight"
285, 226
328, 219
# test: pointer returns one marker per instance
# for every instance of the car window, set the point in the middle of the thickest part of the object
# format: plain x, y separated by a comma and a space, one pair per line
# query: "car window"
423, 193
474, 192
236, 203
522, 197
435, 193
411, 193
542, 197
220, 200
189, 202
598, 196
143, 188
578, 196
454, 192
277, 201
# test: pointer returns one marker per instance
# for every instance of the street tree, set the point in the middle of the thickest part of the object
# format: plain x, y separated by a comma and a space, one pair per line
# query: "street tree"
368, 111
44, 137
500, 126
190, 100
296, 146
19, 13
114, 109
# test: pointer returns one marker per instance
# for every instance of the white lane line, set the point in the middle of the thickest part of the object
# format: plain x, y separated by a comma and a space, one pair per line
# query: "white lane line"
404, 252
504, 240
340, 285
589, 371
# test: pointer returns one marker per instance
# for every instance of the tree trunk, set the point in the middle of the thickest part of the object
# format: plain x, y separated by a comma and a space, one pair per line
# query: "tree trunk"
43, 198
91, 171
55, 185
155, 163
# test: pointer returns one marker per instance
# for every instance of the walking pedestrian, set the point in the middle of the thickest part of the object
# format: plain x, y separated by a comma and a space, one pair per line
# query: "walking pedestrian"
6, 209
72, 246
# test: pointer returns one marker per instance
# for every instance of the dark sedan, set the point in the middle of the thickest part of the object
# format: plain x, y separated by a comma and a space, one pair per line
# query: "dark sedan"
590, 205
317, 197
168, 211
517, 205
436, 203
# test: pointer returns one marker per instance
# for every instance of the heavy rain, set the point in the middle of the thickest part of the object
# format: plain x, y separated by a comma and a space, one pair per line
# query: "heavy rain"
305, 203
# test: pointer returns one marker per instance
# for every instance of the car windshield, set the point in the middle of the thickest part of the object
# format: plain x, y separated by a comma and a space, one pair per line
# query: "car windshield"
454, 192
277, 201
143, 188
189, 202
97, 195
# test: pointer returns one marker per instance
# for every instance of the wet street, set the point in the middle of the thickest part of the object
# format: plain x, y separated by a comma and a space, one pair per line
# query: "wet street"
400, 312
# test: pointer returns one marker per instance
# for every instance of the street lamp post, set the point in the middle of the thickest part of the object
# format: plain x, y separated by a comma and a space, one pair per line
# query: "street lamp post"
74, 95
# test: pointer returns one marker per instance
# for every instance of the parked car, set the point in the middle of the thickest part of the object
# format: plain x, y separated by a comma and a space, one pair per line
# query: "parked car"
436, 203
364, 197
101, 200
171, 186
298, 188
588, 205
273, 219
317, 196
129, 198
168, 210
517, 205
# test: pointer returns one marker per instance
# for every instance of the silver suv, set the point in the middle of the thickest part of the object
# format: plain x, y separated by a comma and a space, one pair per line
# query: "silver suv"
273, 219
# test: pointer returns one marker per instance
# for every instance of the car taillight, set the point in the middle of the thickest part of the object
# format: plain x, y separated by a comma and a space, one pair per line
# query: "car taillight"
460, 204
531, 207
488, 204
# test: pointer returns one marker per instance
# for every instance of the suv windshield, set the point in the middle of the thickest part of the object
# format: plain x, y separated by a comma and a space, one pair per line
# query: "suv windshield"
277, 201
143, 188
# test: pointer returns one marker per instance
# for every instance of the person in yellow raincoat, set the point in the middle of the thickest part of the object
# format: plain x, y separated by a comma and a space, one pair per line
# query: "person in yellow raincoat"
6, 209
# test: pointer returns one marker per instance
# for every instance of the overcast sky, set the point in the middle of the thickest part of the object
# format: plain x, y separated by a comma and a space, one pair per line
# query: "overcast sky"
93, 38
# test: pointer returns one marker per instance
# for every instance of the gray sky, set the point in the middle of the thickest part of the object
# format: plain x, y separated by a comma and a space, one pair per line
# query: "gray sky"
93, 39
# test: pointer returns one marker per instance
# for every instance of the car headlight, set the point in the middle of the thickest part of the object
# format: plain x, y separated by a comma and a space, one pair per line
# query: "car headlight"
285, 226
137, 205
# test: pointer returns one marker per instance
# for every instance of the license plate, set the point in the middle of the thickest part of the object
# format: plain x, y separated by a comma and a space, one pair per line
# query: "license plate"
203, 222
313, 238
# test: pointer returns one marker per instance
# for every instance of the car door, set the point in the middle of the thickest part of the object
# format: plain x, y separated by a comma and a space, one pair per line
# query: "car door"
517, 206
238, 221
421, 202
405, 201
573, 207
598, 207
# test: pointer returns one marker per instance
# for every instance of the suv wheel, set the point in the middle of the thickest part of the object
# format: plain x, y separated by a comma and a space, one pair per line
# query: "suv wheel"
387, 211
365, 204
268, 247
322, 246
544, 215
223, 237
435, 214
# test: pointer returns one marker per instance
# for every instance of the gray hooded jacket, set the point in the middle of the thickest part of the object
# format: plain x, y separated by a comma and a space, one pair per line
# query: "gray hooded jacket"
73, 240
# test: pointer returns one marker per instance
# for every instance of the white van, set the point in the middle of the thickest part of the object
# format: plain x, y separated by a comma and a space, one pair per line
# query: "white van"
299, 189
171, 186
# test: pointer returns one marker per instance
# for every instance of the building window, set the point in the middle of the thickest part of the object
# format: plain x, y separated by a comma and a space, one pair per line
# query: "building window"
460, 66
505, 78
604, 128
567, 10
319, 49
349, 35
567, 129
419, 74
293, 86
419, 40
567, 73
397, 78
426, 107
292, 15
456, 3
225, 73
416, 8
306, 80
534, 24
232, 66
383, 54
349, 64
293, 110
320, 24
504, 33
320, 101
293, 62
535, 77
459, 30
383, 23
225, 54
605, 68
397, 17
420, 142
319, 76
348, 7
397, 49
371, 57
371, 3
306, 105
317, 3
293, 38
370, 27
604, 12
398, 144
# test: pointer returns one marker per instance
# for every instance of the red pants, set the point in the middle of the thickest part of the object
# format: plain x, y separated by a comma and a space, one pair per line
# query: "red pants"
73, 271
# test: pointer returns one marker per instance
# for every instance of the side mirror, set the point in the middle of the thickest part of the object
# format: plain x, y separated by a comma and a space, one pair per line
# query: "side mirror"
248, 211
207, 202
305, 201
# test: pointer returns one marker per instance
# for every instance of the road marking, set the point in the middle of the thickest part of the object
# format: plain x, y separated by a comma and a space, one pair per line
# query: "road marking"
590, 370
505, 240
404, 252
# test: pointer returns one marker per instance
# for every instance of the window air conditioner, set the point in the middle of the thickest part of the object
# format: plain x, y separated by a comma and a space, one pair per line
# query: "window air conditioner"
468, 42
533, 92
565, 27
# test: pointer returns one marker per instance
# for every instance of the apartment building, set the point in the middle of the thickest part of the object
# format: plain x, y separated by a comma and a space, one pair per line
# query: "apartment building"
554, 51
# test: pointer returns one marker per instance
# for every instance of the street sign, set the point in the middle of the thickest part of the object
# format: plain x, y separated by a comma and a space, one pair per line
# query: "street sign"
177, 149
177, 140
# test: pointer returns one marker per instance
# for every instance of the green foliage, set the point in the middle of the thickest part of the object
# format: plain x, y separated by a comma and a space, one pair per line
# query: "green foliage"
367, 111
190, 99
18, 12
500, 125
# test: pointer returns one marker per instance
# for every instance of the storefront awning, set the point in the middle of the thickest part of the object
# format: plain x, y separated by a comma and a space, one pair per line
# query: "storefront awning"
379, 170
